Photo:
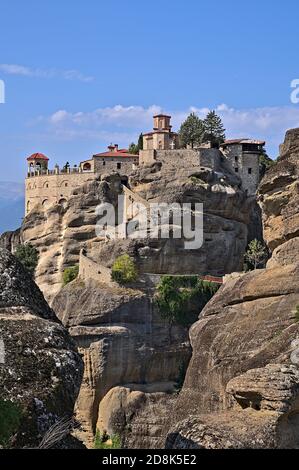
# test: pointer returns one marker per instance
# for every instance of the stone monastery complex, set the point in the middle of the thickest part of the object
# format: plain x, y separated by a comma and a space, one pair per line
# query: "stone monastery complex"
54, 186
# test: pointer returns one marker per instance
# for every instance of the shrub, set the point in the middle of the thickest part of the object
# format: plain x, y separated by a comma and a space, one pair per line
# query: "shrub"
104, 441
70, 274
124, 270
297, 313
28, 256
181, 298
10, 418
256, 255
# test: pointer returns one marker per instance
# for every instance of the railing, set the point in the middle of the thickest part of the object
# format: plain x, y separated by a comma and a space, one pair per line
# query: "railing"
57, 171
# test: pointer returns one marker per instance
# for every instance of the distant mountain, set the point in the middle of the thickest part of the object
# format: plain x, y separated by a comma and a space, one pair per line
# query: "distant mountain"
12, 204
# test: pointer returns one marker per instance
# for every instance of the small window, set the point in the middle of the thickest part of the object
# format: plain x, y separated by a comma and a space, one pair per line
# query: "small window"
249, 171
236, 159
118, 166
104, 163
237, 170
66, 185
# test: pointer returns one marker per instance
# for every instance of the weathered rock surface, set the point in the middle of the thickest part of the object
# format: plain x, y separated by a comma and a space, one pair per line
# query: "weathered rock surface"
242, 384
59, 233
279, 194
40, 369
123, 341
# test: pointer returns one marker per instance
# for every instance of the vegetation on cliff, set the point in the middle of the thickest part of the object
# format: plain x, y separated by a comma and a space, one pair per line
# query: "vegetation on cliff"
28, 256
124, 270
181, 298
256, 255
70, 274
104, 441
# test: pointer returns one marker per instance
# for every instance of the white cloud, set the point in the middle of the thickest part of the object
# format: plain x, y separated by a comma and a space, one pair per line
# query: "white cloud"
123, 124
15, 69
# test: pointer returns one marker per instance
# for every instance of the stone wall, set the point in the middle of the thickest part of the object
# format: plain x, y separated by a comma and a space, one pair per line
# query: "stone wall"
246, 165
89, 269
182, 158
52, 188
123, 165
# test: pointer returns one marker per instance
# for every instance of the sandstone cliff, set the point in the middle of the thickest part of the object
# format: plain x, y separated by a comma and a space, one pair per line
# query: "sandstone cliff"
242, 384
59, 233
131, 356
40, 368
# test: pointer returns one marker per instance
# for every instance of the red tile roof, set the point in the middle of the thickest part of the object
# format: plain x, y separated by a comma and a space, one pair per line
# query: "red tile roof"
123, 153
37, 156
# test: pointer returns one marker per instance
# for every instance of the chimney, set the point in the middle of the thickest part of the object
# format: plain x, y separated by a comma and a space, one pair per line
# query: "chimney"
111, 148
115, 147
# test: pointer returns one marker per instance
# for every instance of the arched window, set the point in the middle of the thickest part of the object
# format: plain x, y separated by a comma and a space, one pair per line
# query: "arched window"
46, 185
45, 203
28, 206
86, 166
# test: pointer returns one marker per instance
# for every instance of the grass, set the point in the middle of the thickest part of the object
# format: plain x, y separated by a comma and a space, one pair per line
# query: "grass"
104, 441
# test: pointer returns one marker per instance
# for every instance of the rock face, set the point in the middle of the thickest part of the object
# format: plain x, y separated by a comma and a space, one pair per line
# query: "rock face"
279, 191
40, 369
59, 233
128, 350
242, 384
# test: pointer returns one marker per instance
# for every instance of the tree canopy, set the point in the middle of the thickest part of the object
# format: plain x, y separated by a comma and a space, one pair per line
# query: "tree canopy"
214, 131
135, 148
191, 131
28, 256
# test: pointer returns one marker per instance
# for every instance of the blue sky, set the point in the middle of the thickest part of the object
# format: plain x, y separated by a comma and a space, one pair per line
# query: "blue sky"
81, 74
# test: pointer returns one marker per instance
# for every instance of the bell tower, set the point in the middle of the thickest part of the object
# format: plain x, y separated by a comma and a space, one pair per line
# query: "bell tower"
37, 162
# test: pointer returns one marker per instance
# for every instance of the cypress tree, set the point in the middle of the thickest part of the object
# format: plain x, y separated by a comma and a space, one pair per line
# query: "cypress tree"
213, 129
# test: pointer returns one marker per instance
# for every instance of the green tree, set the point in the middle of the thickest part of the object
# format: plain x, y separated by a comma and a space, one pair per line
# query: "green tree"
133, 149
265, 162
70, 274
256, 254
140, 142
28, 256
213, 129
124, 270
181, 298
191, 131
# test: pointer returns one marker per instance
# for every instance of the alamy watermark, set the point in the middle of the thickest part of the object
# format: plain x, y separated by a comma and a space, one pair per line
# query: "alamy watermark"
137, 220
2, 92
295, 93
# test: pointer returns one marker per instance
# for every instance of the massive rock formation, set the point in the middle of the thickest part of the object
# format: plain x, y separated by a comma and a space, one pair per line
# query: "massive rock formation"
242, 384
60, 232
131, 356
40, 369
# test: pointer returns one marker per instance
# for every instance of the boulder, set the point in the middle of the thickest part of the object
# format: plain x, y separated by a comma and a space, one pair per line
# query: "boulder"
40, 368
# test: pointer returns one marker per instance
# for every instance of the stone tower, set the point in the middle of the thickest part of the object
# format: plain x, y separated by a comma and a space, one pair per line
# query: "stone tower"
244, 158
161, 137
